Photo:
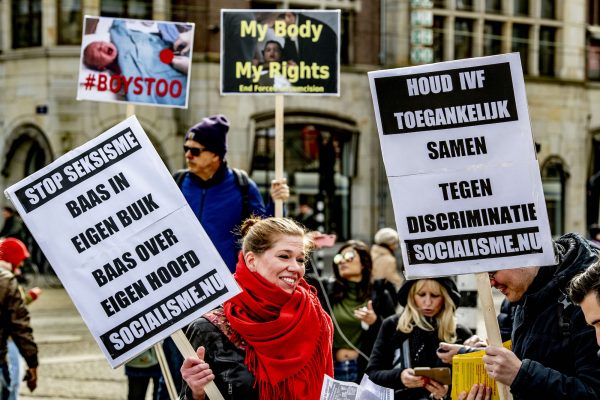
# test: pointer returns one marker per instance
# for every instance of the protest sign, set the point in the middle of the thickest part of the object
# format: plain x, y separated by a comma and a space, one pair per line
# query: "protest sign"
460, 160
273, 51
123, 241
135, 61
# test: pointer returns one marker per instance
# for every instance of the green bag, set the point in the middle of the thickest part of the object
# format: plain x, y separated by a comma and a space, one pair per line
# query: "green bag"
145, 359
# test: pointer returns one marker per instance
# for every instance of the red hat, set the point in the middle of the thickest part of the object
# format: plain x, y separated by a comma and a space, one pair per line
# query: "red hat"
13, 251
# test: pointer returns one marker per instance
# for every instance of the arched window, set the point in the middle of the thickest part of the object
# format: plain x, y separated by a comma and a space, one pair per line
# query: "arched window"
319, 163
554, 177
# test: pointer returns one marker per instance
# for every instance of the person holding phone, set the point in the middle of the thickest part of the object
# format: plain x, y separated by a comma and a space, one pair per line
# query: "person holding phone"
411, 338
357, 305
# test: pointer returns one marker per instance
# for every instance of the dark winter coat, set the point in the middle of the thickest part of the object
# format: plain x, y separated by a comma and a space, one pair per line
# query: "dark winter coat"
226, 360
386, 365
559, 362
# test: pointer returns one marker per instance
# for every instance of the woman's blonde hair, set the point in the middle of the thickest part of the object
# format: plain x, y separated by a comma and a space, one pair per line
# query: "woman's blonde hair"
259, 235
446, 319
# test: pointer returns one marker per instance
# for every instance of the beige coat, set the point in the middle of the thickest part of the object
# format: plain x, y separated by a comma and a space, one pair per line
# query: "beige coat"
385, 266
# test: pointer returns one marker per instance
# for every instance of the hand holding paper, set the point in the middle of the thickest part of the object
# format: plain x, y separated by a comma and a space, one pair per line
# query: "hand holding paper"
501, 364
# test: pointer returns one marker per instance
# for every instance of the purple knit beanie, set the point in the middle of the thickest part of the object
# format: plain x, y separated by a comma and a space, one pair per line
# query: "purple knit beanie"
211, 132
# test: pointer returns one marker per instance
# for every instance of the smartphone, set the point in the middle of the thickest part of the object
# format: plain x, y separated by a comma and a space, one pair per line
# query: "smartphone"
441, 374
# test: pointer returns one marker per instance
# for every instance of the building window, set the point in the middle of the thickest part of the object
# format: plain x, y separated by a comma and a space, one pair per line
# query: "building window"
69, 22
465, 5
547, 51
549, 9
463, 38
593, 58
594, 12
554, 177
492, 38
521, 7
493, 6
520, 43
438, 38
26, 23
320, 161
138, 9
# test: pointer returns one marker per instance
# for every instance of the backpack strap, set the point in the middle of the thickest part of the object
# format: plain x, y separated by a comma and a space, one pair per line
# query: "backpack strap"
241, 179
243, 182
179, 175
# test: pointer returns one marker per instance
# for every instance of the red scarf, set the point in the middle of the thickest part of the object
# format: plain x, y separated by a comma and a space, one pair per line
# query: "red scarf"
289, 336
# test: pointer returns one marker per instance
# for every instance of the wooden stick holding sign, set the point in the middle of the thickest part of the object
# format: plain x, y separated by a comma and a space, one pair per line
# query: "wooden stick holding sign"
279, 149
164, 368
186, 349
491, 322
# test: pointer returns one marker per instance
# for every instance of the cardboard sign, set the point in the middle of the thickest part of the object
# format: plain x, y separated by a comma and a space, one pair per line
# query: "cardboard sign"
280, 51
135, 61
460, 160
123, 241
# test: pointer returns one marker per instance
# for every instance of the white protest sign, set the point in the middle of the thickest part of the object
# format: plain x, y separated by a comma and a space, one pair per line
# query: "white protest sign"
460, 160
123, 241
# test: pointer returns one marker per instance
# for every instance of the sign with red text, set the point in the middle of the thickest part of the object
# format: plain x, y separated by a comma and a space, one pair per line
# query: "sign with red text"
122, 239
461, 165
135, 61
280, 51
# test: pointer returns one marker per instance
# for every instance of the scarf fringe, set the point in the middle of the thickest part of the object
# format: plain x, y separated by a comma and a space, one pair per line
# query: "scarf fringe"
284, 390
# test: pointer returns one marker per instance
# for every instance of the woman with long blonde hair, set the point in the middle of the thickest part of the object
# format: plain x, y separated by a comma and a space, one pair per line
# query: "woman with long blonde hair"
411, 338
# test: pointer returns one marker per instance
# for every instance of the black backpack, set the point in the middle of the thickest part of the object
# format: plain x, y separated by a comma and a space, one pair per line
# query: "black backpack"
242, 180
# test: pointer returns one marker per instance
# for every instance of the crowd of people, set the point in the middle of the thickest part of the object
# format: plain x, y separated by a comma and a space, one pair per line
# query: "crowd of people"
286, 330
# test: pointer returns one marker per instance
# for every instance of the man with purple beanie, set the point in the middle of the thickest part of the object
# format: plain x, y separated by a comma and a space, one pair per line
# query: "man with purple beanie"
221, 197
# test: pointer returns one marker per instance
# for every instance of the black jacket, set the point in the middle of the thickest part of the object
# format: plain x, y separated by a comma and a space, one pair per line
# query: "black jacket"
225, 359
559, 361
385, 365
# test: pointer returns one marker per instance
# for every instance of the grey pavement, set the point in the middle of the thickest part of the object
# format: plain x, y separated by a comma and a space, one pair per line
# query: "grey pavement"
71, 363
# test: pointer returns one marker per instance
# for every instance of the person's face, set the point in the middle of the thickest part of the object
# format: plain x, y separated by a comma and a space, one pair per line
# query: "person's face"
203, 164
591, 310
349, 265
513, 283
272, 52
282, 264
6, 214
100, 54
429, 299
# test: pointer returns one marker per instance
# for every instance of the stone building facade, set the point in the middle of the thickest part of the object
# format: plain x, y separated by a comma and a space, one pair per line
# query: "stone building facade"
40, 119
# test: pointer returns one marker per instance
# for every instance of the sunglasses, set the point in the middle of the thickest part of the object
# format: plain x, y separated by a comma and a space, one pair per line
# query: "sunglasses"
346, 257
196, 151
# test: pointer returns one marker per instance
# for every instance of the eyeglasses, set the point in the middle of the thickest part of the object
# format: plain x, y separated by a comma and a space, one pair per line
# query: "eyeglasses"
196, 151
492, 275
346, 257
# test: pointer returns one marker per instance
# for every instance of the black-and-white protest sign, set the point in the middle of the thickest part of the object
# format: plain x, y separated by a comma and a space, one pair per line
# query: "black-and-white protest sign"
273, 51
123, 241
460, 160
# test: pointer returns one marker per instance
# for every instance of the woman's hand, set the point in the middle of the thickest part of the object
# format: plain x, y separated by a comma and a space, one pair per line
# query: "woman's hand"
446, 351
366, 314
475, 341
410, 380
437, 389
197, 374
478, 392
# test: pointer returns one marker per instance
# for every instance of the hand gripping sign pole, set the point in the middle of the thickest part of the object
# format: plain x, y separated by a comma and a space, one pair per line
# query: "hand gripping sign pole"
279, 148
187, 351
491, 322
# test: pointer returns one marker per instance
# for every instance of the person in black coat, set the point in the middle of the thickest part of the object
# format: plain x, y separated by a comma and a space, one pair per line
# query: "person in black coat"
357, 307
553, 349
411, 338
